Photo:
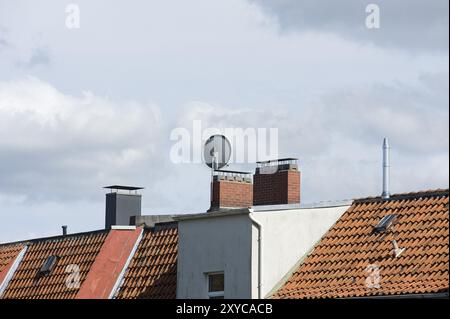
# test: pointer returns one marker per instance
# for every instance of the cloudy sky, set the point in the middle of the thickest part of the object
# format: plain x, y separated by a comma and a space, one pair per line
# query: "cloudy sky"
91, 106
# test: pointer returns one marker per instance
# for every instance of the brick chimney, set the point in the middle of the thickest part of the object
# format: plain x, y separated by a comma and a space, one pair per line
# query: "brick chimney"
276, 182
231, 189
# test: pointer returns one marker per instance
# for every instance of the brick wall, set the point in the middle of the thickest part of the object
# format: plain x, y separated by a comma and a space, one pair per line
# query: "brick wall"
227, 193
281, 187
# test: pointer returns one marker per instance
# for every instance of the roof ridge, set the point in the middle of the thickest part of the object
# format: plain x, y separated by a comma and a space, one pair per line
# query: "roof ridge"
408, 195
40, 239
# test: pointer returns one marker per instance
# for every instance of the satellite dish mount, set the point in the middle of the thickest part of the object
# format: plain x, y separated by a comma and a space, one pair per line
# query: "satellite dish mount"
216, 153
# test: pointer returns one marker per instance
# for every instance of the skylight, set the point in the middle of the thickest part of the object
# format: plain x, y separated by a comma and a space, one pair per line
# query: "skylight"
48, 265
385, 223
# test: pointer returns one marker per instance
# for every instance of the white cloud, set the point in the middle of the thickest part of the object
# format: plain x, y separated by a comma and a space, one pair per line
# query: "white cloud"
62, 144
83, 120
410, 25
338, 137
57, 150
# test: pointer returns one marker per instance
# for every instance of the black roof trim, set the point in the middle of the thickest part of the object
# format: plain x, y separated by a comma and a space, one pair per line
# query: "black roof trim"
123, 187
164, 226
405, 196
51, 238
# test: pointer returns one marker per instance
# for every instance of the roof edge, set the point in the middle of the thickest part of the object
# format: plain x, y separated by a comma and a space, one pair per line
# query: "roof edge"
121, 277
15, 263
217, 213
401, 196
34, 240
323, 204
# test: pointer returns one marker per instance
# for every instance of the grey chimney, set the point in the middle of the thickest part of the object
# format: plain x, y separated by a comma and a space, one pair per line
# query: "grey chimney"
122, 203
386, 169
64, 230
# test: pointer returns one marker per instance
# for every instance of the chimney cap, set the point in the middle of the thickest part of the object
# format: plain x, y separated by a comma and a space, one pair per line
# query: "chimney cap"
224, 172
291, 160
122, 187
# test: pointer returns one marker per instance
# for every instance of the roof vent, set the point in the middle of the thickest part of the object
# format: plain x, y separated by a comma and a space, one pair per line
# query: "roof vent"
385, 223
48, 265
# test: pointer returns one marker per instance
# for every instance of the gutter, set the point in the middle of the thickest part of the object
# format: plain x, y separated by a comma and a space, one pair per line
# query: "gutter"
260, 250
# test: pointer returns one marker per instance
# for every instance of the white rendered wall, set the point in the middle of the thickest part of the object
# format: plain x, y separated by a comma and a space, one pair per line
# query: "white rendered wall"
229, 243
287, 236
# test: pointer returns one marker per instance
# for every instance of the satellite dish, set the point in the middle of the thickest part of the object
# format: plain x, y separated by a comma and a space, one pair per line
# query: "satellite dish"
217, 150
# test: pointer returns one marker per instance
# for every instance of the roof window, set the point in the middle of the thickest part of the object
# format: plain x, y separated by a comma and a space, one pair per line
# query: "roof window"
385, 223
48, 265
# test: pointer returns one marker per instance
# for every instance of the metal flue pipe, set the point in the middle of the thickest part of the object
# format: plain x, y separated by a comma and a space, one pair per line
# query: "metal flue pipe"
386, 169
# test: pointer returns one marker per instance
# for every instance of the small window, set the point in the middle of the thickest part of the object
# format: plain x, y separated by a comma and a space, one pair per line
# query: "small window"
48, 265
385, 223
216, 286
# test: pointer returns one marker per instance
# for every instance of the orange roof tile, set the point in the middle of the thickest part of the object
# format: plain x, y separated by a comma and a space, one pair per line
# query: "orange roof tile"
9, 252
351, 261
109, 263
152, 272
79, 249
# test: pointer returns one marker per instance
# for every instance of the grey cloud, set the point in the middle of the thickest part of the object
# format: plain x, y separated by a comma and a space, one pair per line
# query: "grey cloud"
38, 57
53, 147
4, 42
59, 149
416, 119
414, 24
333, 100
338, 138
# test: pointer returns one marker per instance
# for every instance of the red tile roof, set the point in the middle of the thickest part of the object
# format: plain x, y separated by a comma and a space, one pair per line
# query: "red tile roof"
353, 261
9, 257
109, 263
79, 249
152, 272
8, 253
